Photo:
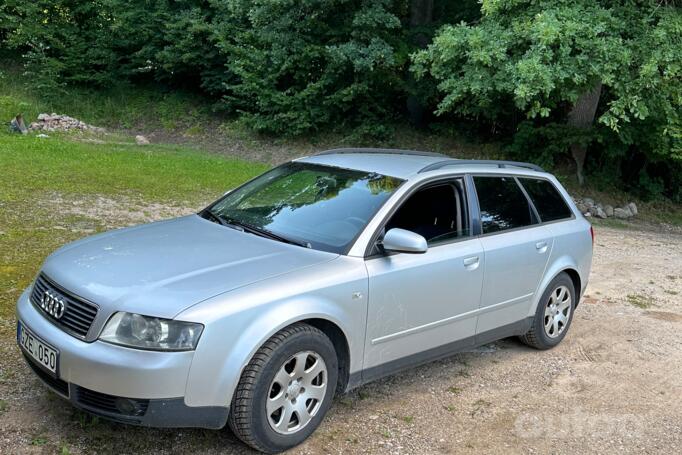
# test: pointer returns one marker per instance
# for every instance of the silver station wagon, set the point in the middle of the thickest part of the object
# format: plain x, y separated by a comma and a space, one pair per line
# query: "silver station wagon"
316, 277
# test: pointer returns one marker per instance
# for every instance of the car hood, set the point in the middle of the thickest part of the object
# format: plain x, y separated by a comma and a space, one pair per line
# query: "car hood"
161, 268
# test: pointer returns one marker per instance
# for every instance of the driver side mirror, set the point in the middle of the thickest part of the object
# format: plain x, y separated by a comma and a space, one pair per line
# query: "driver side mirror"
404, 241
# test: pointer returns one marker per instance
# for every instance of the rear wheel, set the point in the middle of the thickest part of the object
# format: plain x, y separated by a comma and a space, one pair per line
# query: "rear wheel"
554, 314
285, 390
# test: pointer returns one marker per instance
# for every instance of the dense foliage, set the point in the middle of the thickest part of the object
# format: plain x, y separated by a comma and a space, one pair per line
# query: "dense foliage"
320, 62
518, 69
538, 58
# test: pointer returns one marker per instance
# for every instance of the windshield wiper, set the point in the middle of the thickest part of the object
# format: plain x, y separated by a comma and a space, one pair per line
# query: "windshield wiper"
214, 217
264, 232
245, 227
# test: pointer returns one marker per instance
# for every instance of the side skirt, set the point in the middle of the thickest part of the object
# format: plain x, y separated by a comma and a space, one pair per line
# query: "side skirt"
386, 369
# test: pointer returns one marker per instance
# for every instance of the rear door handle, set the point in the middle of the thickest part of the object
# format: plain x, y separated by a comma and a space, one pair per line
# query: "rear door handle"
541, 247
471, 263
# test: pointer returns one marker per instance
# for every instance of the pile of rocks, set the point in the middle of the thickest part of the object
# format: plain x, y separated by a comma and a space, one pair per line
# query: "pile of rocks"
57, 122
589, 208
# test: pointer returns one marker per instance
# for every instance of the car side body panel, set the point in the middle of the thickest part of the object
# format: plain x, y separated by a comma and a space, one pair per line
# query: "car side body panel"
421, 301
572, 251
514, 264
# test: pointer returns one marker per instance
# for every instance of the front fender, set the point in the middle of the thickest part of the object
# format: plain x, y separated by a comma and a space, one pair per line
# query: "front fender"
240, 322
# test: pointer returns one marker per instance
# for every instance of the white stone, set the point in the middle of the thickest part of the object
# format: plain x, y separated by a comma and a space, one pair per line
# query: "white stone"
633, 208
620, 213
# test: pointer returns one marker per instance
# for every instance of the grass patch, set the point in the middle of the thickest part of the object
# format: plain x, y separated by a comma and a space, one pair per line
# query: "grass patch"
640, 301
345, 401
480, 406
455, 390
56, 164
363, 394
38, 441
463, 374
613, 223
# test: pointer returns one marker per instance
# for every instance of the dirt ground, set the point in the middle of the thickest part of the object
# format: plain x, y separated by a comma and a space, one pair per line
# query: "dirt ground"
614, 385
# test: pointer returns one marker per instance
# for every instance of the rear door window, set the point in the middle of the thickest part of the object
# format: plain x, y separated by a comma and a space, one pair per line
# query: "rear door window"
547, 200
502, 204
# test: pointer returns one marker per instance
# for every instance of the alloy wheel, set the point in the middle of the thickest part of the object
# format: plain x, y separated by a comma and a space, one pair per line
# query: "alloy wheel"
296, 393
557, 312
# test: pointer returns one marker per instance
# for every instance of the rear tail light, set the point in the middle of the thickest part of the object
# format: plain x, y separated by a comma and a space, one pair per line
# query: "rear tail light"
592, 234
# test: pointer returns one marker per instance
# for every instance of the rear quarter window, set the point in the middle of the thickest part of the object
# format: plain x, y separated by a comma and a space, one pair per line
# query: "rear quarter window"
502, 204
549, 203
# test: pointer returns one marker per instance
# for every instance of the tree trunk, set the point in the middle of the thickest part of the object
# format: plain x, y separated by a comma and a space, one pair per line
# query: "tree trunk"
421, 13
582, 116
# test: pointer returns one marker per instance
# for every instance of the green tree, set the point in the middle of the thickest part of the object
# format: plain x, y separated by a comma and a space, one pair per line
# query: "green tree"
169, 41
55, 37
560, 62
301, 64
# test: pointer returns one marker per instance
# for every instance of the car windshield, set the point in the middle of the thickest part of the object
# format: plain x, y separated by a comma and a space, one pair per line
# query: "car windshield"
323, 207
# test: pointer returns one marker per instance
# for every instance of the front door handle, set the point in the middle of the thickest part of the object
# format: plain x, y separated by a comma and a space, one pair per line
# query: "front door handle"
471, 263
541, 247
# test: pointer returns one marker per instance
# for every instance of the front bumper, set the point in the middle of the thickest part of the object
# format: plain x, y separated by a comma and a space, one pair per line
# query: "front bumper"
100, 378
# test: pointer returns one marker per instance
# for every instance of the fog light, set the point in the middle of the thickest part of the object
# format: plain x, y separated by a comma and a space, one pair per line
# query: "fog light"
128, 406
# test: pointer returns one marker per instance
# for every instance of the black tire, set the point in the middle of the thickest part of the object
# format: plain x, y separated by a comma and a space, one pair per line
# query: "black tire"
248, 416
537, 337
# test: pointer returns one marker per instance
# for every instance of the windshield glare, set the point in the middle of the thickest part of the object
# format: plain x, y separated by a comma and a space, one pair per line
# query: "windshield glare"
324, 206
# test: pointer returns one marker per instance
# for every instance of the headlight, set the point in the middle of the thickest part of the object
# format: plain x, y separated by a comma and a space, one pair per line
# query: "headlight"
144, 332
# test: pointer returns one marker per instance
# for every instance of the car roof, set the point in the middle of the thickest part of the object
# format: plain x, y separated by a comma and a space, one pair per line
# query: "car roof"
405, 164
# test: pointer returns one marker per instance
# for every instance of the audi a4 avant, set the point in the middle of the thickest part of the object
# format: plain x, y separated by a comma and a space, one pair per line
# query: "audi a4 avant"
318, 276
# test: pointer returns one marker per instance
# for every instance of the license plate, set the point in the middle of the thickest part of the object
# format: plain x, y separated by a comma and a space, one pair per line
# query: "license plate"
43, 353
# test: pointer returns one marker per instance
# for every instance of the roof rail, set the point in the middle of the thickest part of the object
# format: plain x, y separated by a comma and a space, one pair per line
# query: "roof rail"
498, 163
379, 151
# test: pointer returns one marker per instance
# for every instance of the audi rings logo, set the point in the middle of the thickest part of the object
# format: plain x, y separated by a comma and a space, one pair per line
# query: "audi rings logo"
53, 304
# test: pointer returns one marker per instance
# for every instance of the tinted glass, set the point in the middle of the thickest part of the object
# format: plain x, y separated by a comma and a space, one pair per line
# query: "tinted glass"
547, 200
322, 205
437, 213
503, 205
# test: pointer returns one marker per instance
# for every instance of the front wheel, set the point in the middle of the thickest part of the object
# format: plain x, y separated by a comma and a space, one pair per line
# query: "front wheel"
285, 390
554, 314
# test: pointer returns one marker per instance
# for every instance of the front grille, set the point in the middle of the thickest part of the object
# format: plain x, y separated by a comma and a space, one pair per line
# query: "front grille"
59, 386
111, 404
78, 315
